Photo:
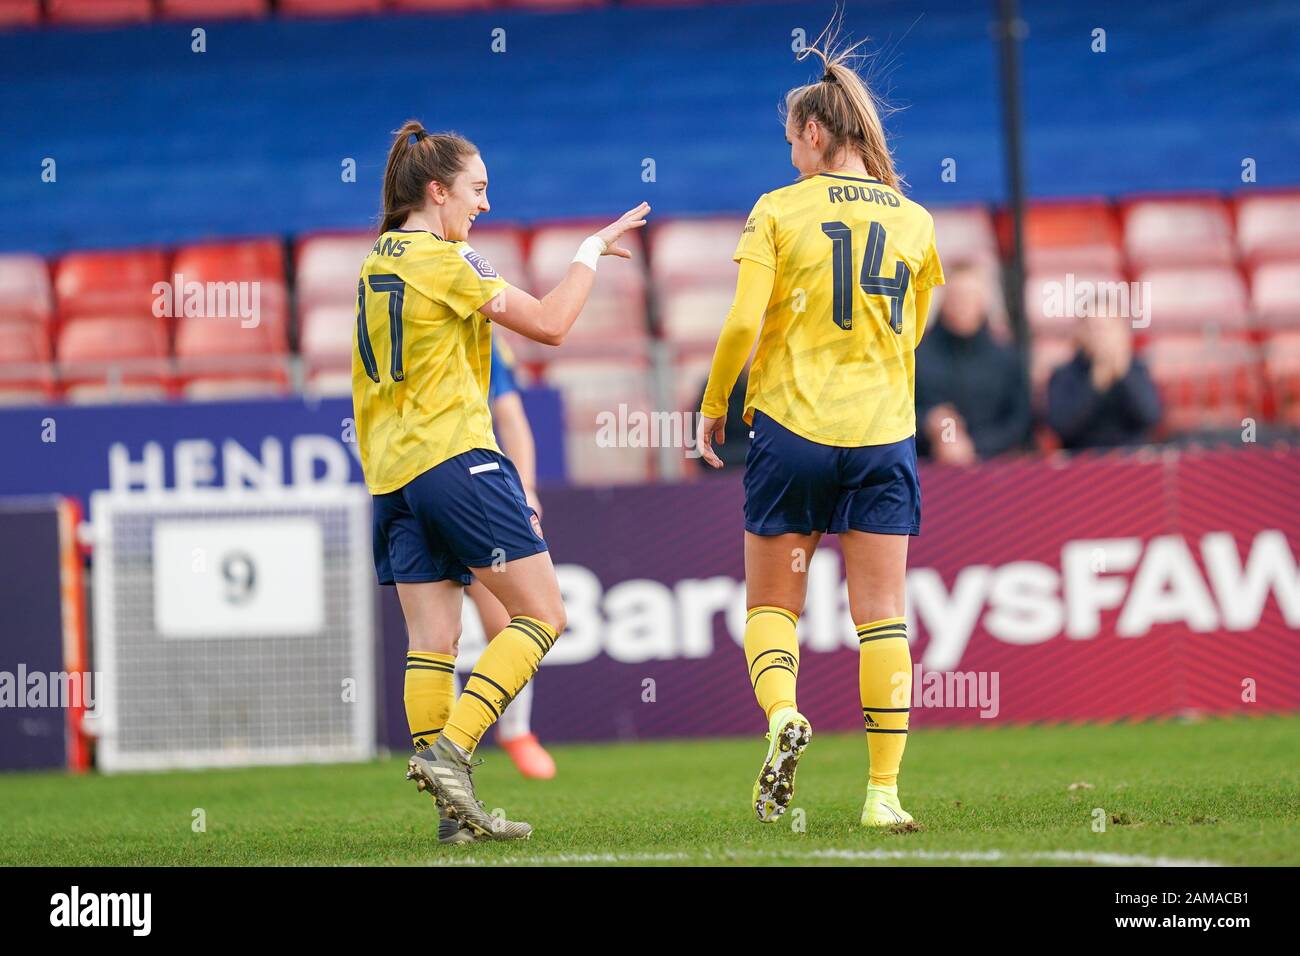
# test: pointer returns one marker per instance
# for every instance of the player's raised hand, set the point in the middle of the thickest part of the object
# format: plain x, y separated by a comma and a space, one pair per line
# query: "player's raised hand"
632, 219
709, 430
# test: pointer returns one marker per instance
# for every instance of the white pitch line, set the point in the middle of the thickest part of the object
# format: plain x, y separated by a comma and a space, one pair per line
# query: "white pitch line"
955, 856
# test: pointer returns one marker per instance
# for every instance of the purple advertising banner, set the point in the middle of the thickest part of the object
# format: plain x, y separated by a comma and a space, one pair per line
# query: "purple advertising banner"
33, 681
1095, 588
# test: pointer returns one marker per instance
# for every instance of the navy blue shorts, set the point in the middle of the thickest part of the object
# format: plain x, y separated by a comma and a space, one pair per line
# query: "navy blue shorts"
796, 485
468, 512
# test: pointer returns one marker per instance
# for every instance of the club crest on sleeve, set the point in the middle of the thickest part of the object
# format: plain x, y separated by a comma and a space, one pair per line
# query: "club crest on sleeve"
480, 264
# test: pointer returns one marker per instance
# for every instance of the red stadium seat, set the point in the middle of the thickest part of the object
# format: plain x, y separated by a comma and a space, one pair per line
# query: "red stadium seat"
222, 358
604, 392
1282, 368
329, 8
18, 393
330, 383
1066, 236
238, 261
1275, 293
109, 284
22, 343
1191, 299
108, 340
25, 293
441, 6
965, 234
694, 252
98, 11
20, 13
211, 387
1055, 301
1268, 227
113, 392
180, 9
554, 4
25, 372
106, 359
1206, 381
203, 337
1178, 232
694, 315
694, 275
327, 267
326, 337
256, 265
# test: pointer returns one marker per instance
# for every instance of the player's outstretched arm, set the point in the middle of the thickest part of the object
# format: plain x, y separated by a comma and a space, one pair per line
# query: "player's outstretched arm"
548, 320
753, 290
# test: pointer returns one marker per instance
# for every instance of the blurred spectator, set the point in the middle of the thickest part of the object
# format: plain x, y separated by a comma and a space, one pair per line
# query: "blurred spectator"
1104, 396
972, 400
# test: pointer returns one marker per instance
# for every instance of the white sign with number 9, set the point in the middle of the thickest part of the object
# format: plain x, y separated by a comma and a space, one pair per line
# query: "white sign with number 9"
238, 578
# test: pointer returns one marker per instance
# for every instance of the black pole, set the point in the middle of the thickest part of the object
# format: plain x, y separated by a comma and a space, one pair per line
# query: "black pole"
1011, 30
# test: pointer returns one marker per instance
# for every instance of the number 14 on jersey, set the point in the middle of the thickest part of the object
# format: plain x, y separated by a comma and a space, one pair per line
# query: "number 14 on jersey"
870, 278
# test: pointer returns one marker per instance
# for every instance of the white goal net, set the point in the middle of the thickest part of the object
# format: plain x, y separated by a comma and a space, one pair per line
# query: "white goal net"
233, 628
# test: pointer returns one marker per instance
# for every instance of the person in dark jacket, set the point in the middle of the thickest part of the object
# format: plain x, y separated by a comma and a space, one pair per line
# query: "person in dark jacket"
972, 400
1104, 396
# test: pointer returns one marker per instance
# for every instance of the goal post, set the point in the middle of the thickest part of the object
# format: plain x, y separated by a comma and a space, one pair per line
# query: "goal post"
233, 628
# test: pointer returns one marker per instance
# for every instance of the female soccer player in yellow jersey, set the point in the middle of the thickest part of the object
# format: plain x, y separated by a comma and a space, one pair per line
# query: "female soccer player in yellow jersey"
837, 270
448, 506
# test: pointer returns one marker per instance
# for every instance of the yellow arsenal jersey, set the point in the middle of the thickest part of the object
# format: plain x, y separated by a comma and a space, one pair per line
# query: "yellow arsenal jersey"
423, 355
834, 361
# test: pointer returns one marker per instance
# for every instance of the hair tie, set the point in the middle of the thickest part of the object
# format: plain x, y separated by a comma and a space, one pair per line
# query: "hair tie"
829, 77
416, 136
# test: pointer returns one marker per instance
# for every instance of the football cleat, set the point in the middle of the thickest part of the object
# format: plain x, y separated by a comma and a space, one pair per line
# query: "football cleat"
450, 830
882, 808
787, 738
446, 773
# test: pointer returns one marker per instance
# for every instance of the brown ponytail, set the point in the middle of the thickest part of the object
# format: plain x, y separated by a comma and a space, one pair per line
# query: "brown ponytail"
417, 158
844, 106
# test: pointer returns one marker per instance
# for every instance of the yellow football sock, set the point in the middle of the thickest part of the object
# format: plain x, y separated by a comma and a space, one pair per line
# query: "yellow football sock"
885, 685
510, 661
428, 694
772, 651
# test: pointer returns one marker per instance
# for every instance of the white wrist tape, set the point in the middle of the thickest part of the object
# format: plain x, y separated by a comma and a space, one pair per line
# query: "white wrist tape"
589, 253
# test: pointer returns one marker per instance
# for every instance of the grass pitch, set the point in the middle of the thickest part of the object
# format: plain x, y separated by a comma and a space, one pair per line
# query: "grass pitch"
1217, 791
